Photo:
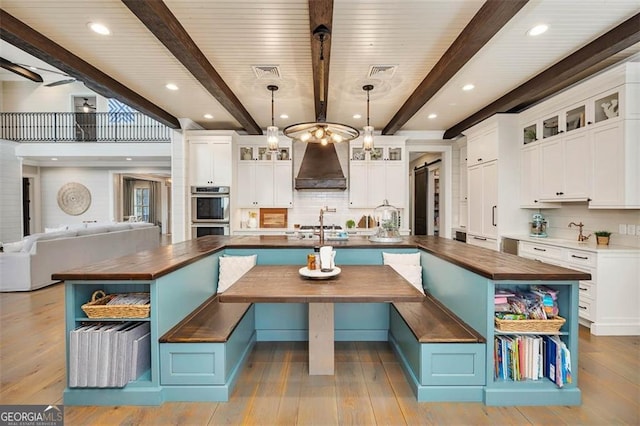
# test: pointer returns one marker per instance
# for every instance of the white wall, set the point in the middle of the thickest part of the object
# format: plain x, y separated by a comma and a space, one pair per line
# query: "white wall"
97, 181
19, 96
10, 193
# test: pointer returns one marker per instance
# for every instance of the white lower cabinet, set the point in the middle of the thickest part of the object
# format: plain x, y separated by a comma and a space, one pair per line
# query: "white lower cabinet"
609, 303
480, 241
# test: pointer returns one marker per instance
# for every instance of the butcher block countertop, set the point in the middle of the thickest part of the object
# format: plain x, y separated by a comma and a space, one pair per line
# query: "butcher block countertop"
152, 264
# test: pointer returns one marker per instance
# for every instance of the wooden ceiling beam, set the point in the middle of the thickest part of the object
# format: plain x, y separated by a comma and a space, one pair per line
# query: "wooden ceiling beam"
491, 17
157, 17
26, 38
559, 76
320, 14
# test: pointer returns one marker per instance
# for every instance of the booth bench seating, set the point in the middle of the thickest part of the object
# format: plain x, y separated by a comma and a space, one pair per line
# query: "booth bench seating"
201, 356
443, 358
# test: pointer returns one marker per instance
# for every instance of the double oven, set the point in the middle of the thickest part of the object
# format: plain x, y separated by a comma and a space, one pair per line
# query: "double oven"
209, 211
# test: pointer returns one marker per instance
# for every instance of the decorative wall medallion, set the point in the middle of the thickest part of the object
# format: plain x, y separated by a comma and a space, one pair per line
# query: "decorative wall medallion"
74, 198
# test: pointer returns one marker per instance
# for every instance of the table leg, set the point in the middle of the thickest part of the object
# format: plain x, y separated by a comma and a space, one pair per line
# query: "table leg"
321, 353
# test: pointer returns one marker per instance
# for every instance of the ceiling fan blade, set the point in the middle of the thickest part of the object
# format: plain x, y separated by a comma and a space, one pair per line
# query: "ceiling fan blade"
20, 70
60, 82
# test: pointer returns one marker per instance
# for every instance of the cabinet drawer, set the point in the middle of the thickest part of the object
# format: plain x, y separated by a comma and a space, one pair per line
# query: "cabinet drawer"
586, 308
539, 251
480, 241
586, 289
581, 258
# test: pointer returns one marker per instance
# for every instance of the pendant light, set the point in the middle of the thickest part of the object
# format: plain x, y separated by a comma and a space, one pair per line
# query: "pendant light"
272, 131
367, 140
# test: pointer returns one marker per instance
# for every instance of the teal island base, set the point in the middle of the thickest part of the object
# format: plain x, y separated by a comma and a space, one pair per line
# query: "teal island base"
437, 370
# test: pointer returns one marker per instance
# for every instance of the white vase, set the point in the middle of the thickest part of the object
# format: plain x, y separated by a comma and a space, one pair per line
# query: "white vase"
252, 222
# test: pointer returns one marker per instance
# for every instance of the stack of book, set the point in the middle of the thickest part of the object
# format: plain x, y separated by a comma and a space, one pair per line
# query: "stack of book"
108, 355
521, 357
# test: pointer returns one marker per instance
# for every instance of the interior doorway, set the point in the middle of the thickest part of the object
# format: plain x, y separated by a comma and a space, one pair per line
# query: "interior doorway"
426, 196
27, 196
420, 201
84, 108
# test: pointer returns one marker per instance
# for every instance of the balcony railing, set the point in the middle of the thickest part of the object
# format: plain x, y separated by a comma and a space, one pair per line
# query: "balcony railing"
82, 127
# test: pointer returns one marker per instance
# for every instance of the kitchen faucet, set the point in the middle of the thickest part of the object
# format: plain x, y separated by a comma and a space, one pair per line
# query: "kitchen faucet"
324, 210
581, 237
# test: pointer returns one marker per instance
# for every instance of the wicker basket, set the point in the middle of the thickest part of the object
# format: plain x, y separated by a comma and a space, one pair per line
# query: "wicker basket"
98, 308
532, 326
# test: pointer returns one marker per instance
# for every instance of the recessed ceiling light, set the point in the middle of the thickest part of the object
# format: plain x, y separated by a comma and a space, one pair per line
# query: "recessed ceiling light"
171, 86
208, 116
128, 158
537, 30
54, 159
468, 87
357, 116
284, 116
99, 28
432, 116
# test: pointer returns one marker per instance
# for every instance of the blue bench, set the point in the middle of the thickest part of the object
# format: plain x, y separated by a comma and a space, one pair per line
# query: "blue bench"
202, 356
442, 357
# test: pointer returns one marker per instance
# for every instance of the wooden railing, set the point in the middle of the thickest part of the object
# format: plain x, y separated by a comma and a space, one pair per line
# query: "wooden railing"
81, 127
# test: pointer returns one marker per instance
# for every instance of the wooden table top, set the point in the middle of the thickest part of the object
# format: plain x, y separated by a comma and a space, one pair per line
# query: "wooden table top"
278, 283
152, 264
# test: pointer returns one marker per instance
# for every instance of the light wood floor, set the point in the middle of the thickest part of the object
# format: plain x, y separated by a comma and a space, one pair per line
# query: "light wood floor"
275, 388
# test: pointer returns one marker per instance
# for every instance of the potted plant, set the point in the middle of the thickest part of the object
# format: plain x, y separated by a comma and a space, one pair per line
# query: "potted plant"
602, 237
351, 224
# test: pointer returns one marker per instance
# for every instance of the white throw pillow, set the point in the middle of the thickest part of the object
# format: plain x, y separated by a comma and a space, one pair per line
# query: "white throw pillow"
13, 247
232, 268
411, 273
401, 258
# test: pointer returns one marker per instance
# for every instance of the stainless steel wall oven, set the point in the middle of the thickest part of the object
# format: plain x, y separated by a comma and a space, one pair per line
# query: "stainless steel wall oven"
210, 204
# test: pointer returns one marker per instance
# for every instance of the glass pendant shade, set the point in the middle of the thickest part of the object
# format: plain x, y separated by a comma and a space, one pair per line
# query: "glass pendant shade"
367, 131
272, 131
367, 139
272, 138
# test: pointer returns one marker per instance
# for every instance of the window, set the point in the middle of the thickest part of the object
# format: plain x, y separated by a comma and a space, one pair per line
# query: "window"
141, 204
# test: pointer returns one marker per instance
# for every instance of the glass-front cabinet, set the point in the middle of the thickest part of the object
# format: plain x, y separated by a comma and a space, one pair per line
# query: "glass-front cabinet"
606, 107
262, 153
379, 153
575, 118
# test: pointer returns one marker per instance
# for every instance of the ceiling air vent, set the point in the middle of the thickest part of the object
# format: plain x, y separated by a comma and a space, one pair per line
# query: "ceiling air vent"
266, 71
382, 71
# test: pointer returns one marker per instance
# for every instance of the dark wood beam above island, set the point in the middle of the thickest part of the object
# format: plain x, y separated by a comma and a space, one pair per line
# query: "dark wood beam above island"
320, 24
491, 17
26, 38
559, 76
157, 17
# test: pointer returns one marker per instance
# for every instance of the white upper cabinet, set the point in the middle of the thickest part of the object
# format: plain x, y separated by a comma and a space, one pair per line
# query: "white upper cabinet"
482, 148
264, 178
566, 166
377, 175
587, 143
210, 160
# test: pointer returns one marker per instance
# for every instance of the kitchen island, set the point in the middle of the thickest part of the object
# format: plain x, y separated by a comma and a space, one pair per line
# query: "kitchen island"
463, 278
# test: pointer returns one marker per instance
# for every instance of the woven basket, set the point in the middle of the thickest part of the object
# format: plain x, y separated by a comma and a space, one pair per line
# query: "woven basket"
98, 308
535, 326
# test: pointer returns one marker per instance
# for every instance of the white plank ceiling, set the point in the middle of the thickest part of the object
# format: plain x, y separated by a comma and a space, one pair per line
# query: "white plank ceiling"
237, 34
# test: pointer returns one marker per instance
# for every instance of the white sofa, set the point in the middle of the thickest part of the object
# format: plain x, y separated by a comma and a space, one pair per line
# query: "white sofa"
41, 255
